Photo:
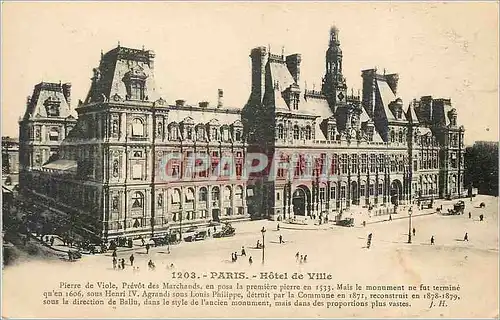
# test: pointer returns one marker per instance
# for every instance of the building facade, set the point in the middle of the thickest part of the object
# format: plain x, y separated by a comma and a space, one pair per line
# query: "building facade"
111, 161
368, 151
354, 150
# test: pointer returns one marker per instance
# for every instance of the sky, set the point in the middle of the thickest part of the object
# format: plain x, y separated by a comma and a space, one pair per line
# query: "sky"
447, 50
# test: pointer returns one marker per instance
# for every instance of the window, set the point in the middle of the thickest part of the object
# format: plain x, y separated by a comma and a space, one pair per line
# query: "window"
137, 172
370, 189
321, 194
137, 200
400, 136
362, 190
237, 135
54, 134
202, 194
380, 189
296, 132
392, 136
189, 133
354, 163
278, 196
214, 133
227, 194
176, 196
373, 162
342, 192
333, 192
280, 131
225, 134
189, 195
137, 128
364, 164
335, 159
239, 193
343, 163
200, 133
173, 132
308, 133
137, 90
215, 194
331, 132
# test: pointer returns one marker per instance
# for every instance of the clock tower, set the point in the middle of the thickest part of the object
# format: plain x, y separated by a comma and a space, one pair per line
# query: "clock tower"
334, 85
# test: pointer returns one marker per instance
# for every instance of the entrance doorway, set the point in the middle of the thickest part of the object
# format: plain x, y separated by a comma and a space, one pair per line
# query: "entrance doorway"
396, 192
216, 215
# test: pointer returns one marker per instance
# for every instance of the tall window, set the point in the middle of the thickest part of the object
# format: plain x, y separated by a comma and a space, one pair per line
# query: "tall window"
280, 131
335, 159
214, 133
322, 194
137, 200
54, 134
238, 193
308, 133
215, 194
202, 194
173, 132
333, 192
373, 162
296, 132
137, 128
342, 192
343, 163
190, 195
354, 163
227, 194
364, 165
137, 90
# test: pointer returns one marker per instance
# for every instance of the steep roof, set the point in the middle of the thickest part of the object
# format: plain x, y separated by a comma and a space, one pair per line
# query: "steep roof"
386, 97
45, 95
411, 115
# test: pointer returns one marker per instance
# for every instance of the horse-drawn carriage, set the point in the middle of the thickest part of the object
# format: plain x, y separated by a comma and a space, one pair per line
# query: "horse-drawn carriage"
346, 222
458, 208
168, 239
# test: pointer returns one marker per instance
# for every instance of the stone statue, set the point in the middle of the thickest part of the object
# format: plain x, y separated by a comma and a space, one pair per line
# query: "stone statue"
115, 168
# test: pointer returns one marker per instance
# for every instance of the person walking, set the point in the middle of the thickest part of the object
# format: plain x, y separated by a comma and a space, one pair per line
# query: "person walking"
281, 239
243, 252
123, 264
235, 257
414, 231
432, 240
301, 258
305, 258
142, 241
114, 262
466, 237
232, 257
297, 257
114, 253
390, 217
250, 260
147, 248
278, 227
132, 259
470, 215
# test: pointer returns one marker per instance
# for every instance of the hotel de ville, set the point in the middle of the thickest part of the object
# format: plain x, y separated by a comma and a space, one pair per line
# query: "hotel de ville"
97, 161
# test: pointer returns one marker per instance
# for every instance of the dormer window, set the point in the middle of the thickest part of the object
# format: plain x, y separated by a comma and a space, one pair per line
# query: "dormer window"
135, 82
200, 133
173, 132
280, 131
308, 135
54, 134
52, 106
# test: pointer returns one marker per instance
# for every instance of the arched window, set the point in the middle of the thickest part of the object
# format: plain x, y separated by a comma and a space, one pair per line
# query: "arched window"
176, 196
227, 193
280, 131
137, 128
173, 131
137, 200
215, 194
238, 193
400, 136
392, 136
237, 135
296, 132
308, 132
189, 195
202, 194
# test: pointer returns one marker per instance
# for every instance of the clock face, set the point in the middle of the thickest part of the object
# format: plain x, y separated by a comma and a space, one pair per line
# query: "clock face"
340, 96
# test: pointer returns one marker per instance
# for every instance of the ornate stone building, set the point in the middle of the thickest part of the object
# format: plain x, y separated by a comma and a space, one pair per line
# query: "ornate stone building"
108, 173
375, 151
366, 150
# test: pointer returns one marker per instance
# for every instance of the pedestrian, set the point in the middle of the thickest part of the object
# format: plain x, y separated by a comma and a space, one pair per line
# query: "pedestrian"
278, 227
281, 238
114, 253
481, 217
147, 248
215, 229
123, 264
470, 215
258, 244
232, 257
235, 257
243, 253
301, 258
414, 231
364, 223
390, 217
297, 257
208, 233
250, 261
305, 258
132, 259
114, 263
142, 241
466, 237
432, 240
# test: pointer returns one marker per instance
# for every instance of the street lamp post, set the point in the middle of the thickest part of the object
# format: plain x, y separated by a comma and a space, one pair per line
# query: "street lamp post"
263, 231
409, 225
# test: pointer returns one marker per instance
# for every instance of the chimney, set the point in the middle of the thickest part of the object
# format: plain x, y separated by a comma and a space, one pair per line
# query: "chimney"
220, 98
180, 102
66, 88
369, 91
392, 81
293, 65
259, 60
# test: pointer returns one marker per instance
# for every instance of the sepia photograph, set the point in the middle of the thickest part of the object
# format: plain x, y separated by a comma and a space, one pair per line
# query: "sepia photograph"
207, 159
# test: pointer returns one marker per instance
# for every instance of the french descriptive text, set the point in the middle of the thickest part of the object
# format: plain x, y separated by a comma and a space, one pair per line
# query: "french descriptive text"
239, 289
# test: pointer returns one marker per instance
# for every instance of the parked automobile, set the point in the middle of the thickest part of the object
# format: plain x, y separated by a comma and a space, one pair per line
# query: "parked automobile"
196, 236
227, 231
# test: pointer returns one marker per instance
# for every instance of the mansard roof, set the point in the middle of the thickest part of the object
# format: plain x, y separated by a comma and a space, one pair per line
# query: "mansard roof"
46, 94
